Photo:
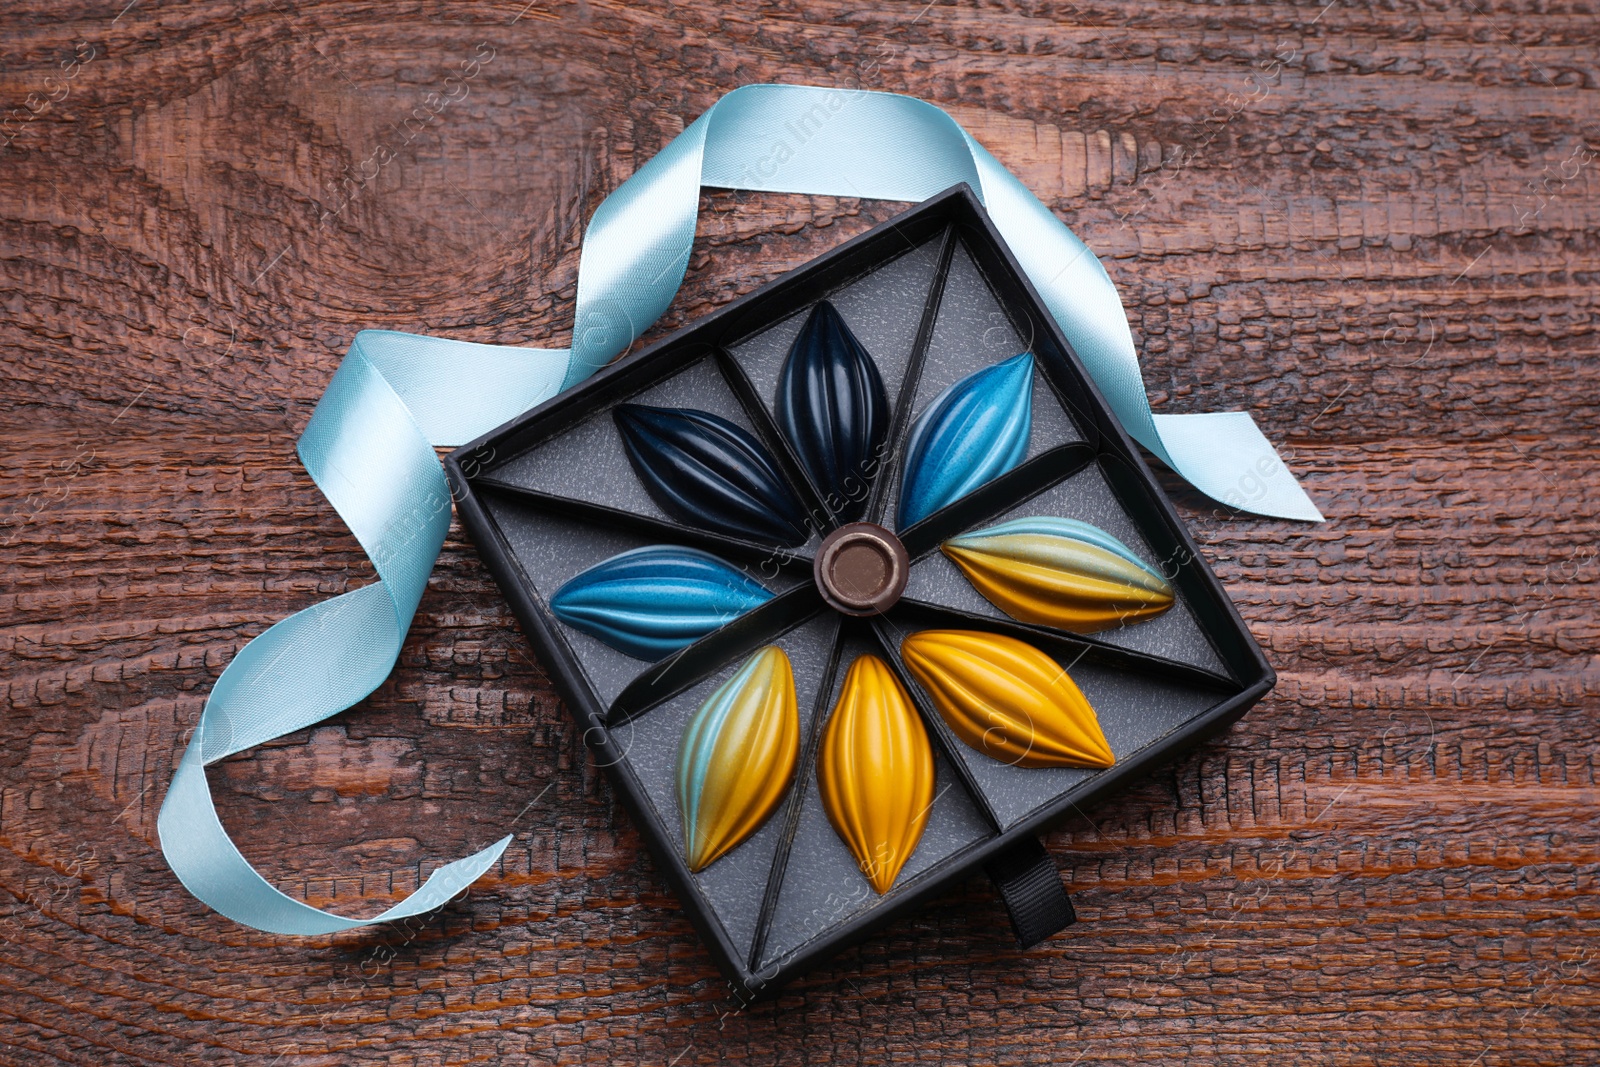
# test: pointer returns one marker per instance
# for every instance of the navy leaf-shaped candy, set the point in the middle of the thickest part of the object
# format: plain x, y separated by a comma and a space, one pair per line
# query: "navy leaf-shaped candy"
832, 407
706, 472
650, 602
973, 432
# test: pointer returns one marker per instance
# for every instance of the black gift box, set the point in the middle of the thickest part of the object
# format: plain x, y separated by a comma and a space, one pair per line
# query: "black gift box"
932, 295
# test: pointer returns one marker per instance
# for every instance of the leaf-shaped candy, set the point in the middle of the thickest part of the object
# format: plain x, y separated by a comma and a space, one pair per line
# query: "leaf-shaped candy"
973, 432
707, 472
1060, 572
650, 602
875, 771
832, 407
1006, 699
738, 755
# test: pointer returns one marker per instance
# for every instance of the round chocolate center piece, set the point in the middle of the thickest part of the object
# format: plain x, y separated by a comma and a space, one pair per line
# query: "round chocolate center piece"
861, 569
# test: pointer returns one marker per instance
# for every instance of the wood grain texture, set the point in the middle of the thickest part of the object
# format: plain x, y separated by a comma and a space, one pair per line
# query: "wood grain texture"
1375, 229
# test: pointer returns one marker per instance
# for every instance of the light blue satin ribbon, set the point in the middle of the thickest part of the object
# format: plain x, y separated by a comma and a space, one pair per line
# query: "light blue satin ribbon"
369, 445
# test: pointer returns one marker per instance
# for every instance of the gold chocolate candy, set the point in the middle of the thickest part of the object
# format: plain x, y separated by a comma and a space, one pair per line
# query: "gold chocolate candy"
875, 771
1006, 699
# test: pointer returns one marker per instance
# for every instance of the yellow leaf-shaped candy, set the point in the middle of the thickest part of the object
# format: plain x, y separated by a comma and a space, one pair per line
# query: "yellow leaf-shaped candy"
875, 771
738, 754
1061, 573
1006, 699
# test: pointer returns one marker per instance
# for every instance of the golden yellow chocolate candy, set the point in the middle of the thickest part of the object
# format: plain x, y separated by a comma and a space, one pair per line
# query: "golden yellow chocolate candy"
1006, 699
738, 755
1061, 573
875, 771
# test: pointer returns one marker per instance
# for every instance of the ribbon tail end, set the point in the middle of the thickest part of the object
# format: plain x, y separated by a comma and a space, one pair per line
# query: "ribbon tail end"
1225, 455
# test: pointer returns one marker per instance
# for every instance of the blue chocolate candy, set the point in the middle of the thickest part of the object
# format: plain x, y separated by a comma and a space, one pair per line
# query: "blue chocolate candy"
650, 602
973, 432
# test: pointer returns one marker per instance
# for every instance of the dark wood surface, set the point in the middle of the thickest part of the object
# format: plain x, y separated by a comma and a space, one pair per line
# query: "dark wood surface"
1373, 229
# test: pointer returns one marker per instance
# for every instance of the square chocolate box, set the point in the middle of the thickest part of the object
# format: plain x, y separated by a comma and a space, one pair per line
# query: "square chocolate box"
855, 586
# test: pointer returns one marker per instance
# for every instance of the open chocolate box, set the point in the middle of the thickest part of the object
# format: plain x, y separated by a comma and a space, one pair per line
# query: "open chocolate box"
839, 466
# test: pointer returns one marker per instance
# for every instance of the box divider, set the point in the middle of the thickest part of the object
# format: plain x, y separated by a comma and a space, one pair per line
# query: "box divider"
906, 397
796, 800
817, 512
768, 561
888, 637
727, 644
1079, 646
998, 495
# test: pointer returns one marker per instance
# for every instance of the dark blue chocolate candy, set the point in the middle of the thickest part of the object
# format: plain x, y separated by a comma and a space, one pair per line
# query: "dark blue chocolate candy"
706, 472
832, 408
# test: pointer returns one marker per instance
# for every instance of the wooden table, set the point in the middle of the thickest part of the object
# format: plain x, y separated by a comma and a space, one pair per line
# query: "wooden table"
1374, 230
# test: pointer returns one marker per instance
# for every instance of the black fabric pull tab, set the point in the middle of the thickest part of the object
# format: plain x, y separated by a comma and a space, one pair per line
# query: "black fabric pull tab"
1030, 887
